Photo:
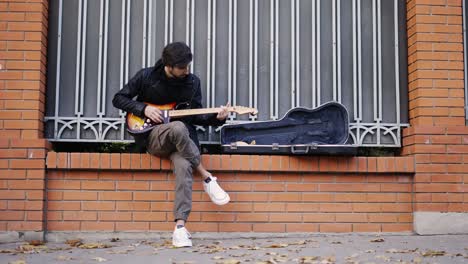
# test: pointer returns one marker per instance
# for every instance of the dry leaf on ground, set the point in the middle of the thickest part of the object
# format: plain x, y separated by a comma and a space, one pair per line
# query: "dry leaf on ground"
74, 242
63, 258
308, 259
99, 259
17, 262
36, 242
393, 250
93, 246
277, 246
433, 253
229, 261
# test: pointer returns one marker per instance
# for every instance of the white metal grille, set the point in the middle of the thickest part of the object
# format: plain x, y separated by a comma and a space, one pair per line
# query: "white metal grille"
270, 54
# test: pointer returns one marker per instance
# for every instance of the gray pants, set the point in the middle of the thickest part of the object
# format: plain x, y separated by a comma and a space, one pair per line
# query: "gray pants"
172, 140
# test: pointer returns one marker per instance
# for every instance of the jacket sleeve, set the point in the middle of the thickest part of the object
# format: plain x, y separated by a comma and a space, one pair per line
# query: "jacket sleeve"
203, 120
124, 98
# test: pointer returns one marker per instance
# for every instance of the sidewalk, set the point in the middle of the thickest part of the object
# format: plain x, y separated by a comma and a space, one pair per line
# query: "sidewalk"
227, 248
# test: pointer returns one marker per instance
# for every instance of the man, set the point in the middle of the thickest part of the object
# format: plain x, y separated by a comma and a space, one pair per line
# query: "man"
170, 81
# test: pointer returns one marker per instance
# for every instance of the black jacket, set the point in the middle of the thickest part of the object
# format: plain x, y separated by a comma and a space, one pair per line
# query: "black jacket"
151, 85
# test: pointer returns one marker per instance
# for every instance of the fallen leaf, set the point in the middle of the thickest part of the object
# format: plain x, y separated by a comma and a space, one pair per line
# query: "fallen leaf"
74, 242
300, 242
277, 246
217, 257
64, 258
393, 250
378, 240
382, 257
433, 253
30, 249
328, 260
7, 251
99, 259
308, 259
17, 262
238, 255
36, 243
93, 245
229, 261
115, 239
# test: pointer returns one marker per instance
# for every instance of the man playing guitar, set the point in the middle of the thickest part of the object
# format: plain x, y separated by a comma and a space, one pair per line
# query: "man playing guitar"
170, 81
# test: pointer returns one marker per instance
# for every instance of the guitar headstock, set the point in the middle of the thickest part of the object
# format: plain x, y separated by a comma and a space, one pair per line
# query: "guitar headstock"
242, 110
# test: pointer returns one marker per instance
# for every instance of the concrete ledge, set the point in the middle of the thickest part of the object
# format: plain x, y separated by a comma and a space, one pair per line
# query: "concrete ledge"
434, 223
19, 236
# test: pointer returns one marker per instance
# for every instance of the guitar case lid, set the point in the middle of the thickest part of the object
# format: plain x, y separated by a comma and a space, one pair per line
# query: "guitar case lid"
323, 130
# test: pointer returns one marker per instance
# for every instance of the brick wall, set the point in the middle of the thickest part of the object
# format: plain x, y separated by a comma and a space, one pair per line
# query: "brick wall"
438, 137
133, 192
23, 46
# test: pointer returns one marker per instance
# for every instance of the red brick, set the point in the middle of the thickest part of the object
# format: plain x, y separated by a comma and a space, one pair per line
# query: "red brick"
79, 216
367, 228
255, 217
97, 226
98, 206
12, 215
117, 196
149, 216
80, 195
134, 206
150, 196
397, 227
124, 185
25, 226
63, 226
115, 216
131, 226
98, 185
235, 227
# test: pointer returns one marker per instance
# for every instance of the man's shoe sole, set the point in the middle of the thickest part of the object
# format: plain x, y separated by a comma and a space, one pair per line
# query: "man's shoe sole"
222, 202
181, 245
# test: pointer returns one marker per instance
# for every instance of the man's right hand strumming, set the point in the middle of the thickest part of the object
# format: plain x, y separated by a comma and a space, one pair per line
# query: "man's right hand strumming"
154, 114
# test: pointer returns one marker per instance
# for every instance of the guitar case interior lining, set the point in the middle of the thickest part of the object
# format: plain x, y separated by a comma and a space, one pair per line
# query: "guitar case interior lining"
302, 131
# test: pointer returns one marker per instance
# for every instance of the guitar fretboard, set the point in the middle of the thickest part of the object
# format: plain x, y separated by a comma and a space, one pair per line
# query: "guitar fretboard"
199, 111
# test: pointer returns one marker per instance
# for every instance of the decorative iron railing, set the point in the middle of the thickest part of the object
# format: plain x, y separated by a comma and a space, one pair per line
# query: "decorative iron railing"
269, 54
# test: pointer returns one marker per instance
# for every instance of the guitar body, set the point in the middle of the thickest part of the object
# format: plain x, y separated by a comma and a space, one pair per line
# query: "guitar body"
138, 125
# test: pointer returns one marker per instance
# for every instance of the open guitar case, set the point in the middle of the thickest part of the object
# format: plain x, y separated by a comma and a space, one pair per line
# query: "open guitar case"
302, 131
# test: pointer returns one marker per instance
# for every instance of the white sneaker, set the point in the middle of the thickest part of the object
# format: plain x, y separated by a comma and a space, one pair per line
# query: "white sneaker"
217, 195
181, 237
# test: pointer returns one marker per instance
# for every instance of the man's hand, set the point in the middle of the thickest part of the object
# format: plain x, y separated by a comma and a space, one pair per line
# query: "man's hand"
224, 112
153, 113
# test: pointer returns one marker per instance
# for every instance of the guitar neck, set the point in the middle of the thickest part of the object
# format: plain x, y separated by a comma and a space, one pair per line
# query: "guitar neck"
189, 112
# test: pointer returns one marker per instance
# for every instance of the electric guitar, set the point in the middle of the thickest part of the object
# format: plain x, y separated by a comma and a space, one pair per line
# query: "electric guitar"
138, 125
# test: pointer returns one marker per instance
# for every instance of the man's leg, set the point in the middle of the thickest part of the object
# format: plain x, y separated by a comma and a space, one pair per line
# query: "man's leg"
172, 140
183, 190
203, 172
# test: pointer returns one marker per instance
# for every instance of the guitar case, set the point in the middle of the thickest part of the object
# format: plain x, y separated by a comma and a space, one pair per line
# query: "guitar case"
302, 131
